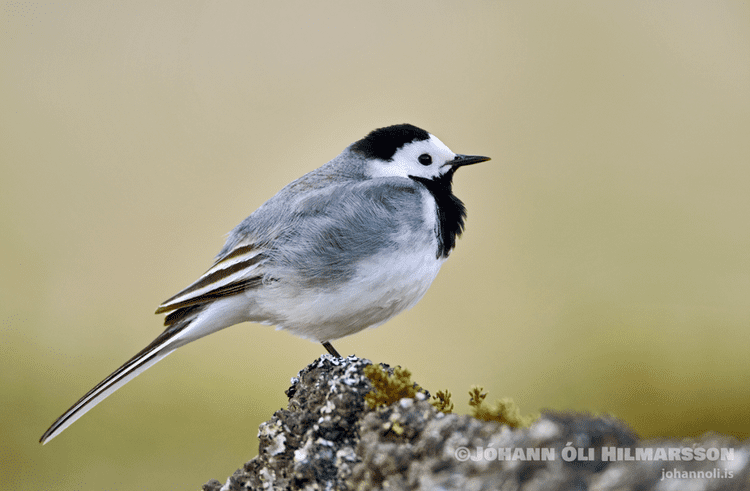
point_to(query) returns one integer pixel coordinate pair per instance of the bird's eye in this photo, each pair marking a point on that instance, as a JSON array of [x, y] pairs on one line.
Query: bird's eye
[[425, 159]]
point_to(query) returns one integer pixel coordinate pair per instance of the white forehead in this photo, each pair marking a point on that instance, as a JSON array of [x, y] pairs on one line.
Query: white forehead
[[405, 161]]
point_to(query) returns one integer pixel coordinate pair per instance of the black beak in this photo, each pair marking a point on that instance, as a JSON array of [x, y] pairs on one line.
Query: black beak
[[467, 160]]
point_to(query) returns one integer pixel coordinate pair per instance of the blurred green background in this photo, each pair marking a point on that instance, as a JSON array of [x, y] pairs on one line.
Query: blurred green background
[[606, 261]]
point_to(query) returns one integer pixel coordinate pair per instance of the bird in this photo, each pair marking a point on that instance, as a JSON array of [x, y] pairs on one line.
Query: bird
[[345, 247]]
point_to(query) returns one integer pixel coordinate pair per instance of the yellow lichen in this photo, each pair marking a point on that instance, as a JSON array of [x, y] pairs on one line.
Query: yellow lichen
[[442, 401], [397, 428], [503, 410], [388, 389]]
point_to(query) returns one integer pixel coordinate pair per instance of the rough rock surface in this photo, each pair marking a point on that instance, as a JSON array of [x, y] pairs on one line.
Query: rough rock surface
[[329, 439]]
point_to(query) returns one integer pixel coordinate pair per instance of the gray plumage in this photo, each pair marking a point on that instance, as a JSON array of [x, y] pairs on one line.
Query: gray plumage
[[344, 247]]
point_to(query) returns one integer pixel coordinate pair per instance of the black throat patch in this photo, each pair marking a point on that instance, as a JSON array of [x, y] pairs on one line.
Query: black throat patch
[[450, 211]]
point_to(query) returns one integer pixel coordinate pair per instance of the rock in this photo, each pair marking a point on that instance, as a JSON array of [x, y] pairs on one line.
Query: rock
[[328, 438]]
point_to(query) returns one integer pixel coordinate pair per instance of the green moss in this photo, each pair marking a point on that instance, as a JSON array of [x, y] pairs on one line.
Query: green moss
[[442, 401], [397, 428], [503, 410], [389, 388]]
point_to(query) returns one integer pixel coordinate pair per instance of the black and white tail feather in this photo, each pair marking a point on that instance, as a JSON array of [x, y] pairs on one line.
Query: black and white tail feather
[[188, 312]]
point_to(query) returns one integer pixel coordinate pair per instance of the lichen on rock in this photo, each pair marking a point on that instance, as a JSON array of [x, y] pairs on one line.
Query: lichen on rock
[[329, 438]]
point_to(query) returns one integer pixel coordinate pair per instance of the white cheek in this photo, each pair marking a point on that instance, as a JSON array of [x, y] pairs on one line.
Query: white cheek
[[426, 171], [405, 161], [379, 168]]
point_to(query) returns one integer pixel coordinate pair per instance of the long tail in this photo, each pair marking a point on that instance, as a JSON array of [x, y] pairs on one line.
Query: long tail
[[159, 348]]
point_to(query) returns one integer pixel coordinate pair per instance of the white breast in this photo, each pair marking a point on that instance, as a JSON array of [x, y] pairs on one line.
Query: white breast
[[383, 286]]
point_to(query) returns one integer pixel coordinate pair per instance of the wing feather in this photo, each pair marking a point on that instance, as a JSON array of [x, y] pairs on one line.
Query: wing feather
[[232, 273]]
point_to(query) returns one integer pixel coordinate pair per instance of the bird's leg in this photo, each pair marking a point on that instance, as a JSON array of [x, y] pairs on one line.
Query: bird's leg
[[331, 349]]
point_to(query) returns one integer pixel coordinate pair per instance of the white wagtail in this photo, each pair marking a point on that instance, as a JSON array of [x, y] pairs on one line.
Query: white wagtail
[[344, 247]]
